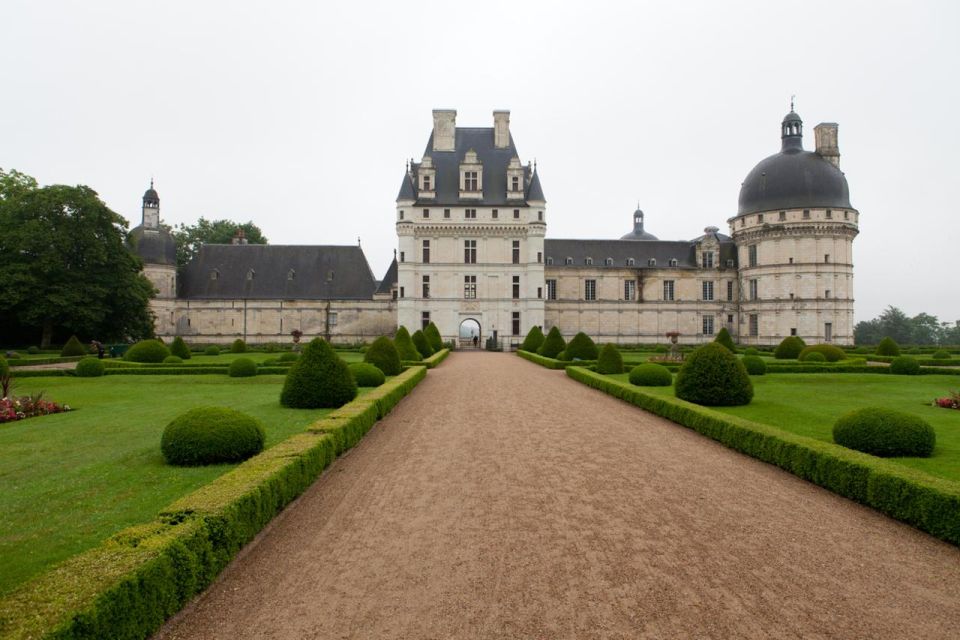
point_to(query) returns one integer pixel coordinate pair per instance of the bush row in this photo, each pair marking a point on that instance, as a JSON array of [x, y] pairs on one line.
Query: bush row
[[435, 359], [129, 585], [926, 362], [928, 503]]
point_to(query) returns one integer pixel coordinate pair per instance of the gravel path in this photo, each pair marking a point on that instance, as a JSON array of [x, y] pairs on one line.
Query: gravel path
[[503, 500]]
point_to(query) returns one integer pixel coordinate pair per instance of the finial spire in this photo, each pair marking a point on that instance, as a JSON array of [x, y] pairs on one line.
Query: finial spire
[[792, 98]]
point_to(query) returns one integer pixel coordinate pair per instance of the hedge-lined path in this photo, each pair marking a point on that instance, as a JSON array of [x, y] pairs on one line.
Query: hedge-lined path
[[503, 500]]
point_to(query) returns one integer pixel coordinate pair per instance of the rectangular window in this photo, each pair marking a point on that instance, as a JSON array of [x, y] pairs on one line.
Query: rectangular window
[[708, 325], [403, 255], [589, 289], [446, 213], [540, 216], [424, 319], [516, 323], [730, 320], [783, 216], [426, 252], [470, 214], [806, 214], [469, 286], [668, 289], [826, 294], [332, 318], [426, 286], [708, 259], [760, 218], [729, 290], [754, 325], [828, 332], [629, 289], [753, 289], [708, 290], [495, 214], [551, 289], [539, 257], [826, 257], [426, 213], [793, 331], [829, 214], [401, 214], [752, 255], [401, 292], [539, 293], [516, 214], [516, 252], [516, 287], [426, 183], [514, 183], [470, 251], [470, 181]]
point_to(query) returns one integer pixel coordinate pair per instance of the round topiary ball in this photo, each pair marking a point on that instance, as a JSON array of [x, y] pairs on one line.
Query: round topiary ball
[[888, 347], [940, 354], [755, 365], [750, 351], [830, 352], [172, 359], [242, 368], [885, 433], [89, 368], [905, 366], [713, 376], [211, 435], [34, 350], [383, 355], [651, 374], [212, 350], [789, 348], [238, 346], [366, 374], [609, 361], [289, 356], [813, 356], [147, 351], [318, 380]]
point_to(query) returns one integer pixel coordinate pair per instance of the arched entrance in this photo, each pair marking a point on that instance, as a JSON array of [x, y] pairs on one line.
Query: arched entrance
[[470, 334]]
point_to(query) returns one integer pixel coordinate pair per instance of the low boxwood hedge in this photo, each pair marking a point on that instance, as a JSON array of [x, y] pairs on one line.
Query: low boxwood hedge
[[905, 366], [831, 353], [812, 356], [172, 359], [212, 350], [147, 351]]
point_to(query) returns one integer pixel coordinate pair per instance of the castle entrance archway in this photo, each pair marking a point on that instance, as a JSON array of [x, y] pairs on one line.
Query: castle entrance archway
[[470, 334]]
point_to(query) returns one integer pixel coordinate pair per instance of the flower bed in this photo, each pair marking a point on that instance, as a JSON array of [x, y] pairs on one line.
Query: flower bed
[[13, 409], [950, 402]]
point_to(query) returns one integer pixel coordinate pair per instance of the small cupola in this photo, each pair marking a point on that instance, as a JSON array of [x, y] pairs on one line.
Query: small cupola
[[791, 131], [151, 209], [638, 233]]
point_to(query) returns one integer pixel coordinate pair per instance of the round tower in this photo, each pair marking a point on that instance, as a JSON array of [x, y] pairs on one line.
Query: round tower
[[794, 232], [158, 250]]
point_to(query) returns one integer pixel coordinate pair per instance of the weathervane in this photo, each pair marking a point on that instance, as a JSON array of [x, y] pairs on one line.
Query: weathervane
[[792, 98]]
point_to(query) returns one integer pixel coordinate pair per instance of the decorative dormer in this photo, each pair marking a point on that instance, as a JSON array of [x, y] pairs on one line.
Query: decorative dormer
[[515, 183], [427, 179], [471, 176]]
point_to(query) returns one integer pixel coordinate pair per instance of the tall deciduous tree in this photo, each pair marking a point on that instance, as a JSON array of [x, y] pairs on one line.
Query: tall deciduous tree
[[190, 237], [922, 329], [64, 265]]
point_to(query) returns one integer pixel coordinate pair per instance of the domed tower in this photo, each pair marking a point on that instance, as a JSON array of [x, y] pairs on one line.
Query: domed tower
[[158, 250], [638, 233], [794, 232]]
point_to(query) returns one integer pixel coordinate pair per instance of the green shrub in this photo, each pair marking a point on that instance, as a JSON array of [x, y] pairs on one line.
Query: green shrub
[[750, 351], [319, 379], [242, 368], [789, 348], [383, 355], [422, 344], [238, 346], [912, 350], [212, 350], [941, 354], [885, 433], [888, 347], [563, 356], [34, 350], [905, 366], [723, 338], [89, 368], [582, 347], [661, 348], [533, 340], [4, 367], [755, 365], [831, 353], [863, 349], [609, 361], [147, 351], [713, 376], [211, 435], [434, 337], [173, 359], [651, 374], [405, 347], [289, 356], [366, 374], [180, 349], [813, 356], [553, 344], [74, 348]]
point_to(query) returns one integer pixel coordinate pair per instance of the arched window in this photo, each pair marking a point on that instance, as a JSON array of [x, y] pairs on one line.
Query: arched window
[[652, 262], [291, 275], [631, 262], [214, 274], [673, 262], [251, 274], [569, 260], [549, 260], [588, 261], [609, 262]]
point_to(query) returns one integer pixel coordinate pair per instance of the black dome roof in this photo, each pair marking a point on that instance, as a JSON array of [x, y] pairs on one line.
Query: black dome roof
[[638, 233], [154, 247], [793, 179]]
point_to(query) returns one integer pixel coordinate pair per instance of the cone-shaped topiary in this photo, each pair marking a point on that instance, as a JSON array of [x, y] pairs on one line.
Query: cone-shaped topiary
[[238, 346], [383, 355], [609, 361], [211, 435], [885, 433], [830, 352], [421, 343], [713, 376], [789, 348], [180, 349], [651, 374], [89, 368], [366, 374], [755, 365], [905, 366], [319, 379], [147, 351], [582, 348], [723, 337], [74, 348], [242, 368], [887, 347], [533, 340], [553, 344], [433, 337], [405, 346]]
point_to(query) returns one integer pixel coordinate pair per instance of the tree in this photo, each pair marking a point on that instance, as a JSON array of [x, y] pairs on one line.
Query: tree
[[190, 238], [64, 266], [922, 329]]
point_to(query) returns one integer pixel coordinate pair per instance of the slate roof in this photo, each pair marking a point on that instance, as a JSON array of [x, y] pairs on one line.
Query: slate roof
[[389, 278], [620, 250], [320, 272], [154, 247], [535, 191]]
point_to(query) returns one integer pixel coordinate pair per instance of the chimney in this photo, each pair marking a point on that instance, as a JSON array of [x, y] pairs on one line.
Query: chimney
[[501, 129], [444, 129], [238, 237], [827, 146]]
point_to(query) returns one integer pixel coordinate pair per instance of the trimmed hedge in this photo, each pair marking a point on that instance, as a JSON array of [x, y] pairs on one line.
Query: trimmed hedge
[[942, 354], [609, 361], [422, 344], [533, 340], [905, 366], [928, 503], [552, 345], [723, 338], [130, 584], [238, 346], [435, 359], [789, 348], [750, 351], [925, 362], [172, 359], [180, 349], [289, 356], [713, 376], [212, 350], [885, 433], [147, 351], [651, 374], [89, 368], [831, 352], [405, 346], [211, 435], [433, 337], [888, 347], [242, 368], [813, 356], [74, 347], [582, 347], [319, 379], [754, 365], [366, 374], [383, 354]]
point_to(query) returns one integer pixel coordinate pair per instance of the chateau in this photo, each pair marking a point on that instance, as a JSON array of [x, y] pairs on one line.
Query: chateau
[[473, 257]]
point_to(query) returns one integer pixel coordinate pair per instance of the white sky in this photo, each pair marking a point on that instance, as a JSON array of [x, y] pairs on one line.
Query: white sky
[[300, 117]]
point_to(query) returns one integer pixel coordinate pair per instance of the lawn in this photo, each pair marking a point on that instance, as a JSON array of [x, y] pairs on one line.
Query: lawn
[[68, 481], [809, 404]]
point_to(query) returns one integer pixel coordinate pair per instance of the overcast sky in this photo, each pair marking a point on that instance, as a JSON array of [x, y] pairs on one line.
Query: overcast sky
[[300, 117]]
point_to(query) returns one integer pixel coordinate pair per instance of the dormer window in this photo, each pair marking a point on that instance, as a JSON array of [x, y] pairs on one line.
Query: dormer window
[[588, 261], [426, 183], [515, 179], [215, 275], [428, 179], [549, 260], [251, 274], [631, 262], [569, 260], [652, 262], [515, 183], [471, 181], [609, 262], [471, 175], [291, 275], [674, 262]]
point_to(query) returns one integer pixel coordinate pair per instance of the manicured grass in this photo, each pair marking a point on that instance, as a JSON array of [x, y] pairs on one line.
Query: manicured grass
[[809, 405], [71, 480]]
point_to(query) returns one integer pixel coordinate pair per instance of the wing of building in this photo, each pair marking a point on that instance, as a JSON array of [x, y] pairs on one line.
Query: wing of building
[[473, 257]]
